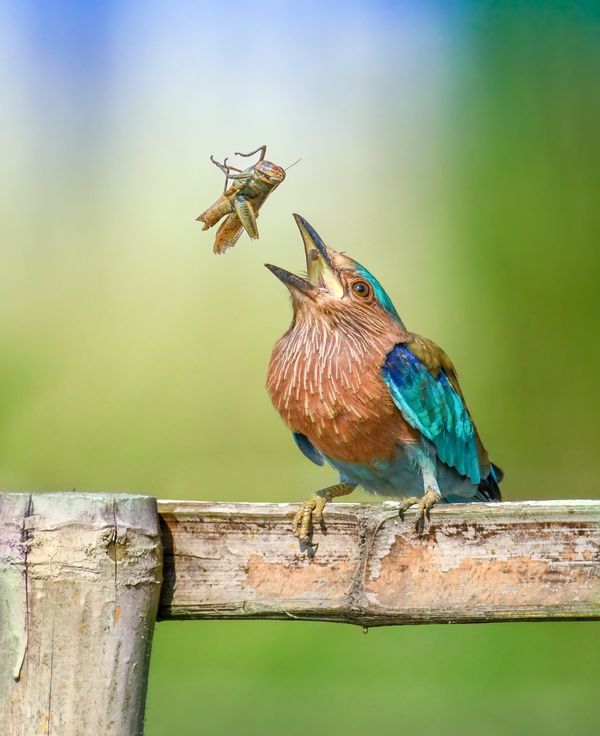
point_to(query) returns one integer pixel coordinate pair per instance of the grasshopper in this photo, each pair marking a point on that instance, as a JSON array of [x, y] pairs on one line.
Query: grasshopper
[[241, 202]]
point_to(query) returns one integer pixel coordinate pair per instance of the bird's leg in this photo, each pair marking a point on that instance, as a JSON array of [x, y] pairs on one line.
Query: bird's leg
[[431, 489], [426, 503], [311, 511]]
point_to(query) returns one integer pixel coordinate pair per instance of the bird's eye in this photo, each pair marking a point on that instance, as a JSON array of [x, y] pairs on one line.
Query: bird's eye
[[362, 289]]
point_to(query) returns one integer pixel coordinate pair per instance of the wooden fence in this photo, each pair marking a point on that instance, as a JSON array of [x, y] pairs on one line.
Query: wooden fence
[[83, 577]]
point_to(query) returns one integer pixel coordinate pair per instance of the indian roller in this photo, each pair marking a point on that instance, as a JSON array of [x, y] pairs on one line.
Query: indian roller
[[379, 403]]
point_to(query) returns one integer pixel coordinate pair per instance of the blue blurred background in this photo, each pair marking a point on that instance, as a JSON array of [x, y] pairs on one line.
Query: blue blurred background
[[453, 148]]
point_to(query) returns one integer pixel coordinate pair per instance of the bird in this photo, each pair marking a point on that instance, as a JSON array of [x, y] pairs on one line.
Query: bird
[[380, 404]]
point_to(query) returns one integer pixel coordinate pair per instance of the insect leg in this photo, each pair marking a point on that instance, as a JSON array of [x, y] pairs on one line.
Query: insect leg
[[244, 210], [262, 149], [231, 168], [218, 164], [226, 169], [228, 175]]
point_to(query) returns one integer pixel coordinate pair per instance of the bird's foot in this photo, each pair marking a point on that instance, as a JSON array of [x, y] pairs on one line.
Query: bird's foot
[[309, 514], [424, 506], [406, 504]]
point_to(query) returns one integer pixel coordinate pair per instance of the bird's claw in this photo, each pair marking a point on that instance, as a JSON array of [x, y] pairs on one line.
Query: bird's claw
[[308, 515], [405, 505], [425, 504]]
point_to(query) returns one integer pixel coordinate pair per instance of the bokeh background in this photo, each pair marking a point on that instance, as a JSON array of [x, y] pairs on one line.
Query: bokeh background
[[454, 149]]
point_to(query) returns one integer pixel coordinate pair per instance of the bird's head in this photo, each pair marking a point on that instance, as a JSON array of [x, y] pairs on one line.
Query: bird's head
[[336, 289]]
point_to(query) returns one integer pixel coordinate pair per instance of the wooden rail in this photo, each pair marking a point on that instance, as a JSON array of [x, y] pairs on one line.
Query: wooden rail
[[84, 576], [476, 562]]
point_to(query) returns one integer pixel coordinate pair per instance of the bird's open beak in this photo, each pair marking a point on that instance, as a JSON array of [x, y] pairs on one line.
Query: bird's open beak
[[319, 267], [293, 282]]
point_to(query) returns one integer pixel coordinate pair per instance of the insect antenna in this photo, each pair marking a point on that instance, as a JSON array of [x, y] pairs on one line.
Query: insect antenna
[[287, 168]]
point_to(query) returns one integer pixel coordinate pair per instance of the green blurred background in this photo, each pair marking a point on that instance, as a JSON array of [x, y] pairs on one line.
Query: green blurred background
[[454, 149]]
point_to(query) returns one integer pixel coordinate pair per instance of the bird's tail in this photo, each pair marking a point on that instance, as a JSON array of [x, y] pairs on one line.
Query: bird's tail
[[488, 489]]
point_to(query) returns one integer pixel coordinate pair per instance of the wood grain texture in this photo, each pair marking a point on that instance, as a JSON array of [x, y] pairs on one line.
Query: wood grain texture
[[476, 562], [80, 578]]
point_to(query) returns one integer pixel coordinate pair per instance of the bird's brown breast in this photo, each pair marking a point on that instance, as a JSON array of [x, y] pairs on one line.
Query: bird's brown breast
[[327, 385]]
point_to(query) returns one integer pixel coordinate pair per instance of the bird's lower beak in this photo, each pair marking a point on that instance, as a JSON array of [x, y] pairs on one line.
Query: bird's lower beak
[[321, 274], [293, 282]]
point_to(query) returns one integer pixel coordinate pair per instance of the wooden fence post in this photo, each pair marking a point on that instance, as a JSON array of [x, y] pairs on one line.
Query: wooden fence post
[[80, 577]]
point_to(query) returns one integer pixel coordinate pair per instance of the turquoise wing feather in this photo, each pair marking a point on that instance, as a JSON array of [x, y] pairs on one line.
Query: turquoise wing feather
[[430, 403]]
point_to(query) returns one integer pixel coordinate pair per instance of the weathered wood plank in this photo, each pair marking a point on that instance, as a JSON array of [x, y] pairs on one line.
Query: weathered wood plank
[[80, 577], [476, 562]]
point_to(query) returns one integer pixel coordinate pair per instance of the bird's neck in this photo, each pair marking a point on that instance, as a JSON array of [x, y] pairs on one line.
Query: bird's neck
[[319, 364]]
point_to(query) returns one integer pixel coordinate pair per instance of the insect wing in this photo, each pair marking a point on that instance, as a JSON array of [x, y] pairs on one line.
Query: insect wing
[[228, 233]]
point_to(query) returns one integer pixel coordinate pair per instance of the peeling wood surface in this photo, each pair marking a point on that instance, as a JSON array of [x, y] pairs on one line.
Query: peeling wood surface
[[81, 574], [80, 578], [476, 562]]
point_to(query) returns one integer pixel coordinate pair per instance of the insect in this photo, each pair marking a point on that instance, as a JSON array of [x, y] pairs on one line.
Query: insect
[[241, 202]]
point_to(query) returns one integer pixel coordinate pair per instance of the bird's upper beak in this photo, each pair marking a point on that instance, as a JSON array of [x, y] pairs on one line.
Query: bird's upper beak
[[321, 273]]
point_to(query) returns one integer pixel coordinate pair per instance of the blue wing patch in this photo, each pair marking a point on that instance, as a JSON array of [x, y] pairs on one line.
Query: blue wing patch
[[431, 405], [307, 448]]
